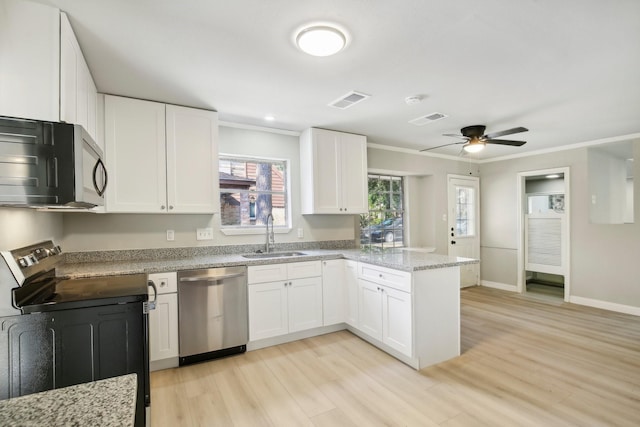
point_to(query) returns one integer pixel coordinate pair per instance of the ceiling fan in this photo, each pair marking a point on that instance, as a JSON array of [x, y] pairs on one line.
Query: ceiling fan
[[475, 138]]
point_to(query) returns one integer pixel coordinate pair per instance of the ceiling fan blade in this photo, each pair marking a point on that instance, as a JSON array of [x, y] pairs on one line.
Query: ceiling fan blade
[[445, 145], [505, 142], [455, 135], [505, 132]]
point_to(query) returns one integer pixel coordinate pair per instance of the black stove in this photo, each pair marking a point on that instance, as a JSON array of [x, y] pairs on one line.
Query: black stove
[[29, 276], [57, 331]]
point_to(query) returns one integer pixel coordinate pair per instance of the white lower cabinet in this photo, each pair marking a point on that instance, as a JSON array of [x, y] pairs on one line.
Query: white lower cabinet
[[334, 291], [370, 302], [385, 314], [351, 282], [163, 322], [268, 310], [396, 320], [304, 297], [290, 301]]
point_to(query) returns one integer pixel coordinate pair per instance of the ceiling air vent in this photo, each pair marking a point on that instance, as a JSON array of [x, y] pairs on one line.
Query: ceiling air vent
[[348, 100], [423, 120]]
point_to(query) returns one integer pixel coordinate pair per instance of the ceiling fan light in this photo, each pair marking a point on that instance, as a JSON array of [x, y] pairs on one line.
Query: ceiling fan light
[[473, 147], [321, 40]]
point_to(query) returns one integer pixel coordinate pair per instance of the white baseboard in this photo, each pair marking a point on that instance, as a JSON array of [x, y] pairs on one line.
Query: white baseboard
[[611, 306], [498, 285], [158, 365], [295, 336]]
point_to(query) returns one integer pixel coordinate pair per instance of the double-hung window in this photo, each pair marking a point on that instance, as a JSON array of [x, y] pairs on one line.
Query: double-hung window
[[250, 190], [383, 225]]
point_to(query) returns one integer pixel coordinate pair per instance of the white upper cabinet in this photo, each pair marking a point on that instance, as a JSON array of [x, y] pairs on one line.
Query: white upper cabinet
[[29, 60], [136, 155], [78, 93], [192, 160], [333, 169], [160, 158], [44, 74]]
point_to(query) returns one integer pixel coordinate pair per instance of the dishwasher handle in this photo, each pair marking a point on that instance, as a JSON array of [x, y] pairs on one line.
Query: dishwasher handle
[[151, 305], [211, 278]]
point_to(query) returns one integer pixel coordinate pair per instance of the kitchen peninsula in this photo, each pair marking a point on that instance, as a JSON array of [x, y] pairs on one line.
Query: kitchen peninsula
[[406, 303]]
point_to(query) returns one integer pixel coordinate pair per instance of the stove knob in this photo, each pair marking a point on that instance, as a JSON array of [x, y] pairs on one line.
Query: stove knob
[[23, 262]]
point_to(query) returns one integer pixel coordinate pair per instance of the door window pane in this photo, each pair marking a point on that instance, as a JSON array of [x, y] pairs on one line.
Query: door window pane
[[465, 211]]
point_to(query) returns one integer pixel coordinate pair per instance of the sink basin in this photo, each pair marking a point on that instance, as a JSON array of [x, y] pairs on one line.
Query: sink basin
[[273, 255]]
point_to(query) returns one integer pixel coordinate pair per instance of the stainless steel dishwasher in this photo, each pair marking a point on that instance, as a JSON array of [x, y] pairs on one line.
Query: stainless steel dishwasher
[[212, 313]]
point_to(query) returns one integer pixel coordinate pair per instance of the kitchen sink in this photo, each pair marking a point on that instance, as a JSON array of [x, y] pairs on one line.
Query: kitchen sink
[[273, 255]]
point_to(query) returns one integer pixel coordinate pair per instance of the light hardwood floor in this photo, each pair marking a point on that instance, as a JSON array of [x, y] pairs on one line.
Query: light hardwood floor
[[525, 362]]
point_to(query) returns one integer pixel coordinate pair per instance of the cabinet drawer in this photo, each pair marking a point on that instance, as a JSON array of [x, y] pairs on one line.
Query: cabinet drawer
[[299, 270], [166, 283], [266, 273], [396, 279]]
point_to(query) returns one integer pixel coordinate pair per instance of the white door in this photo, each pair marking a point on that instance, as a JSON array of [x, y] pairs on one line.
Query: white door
[[464, 225], [305, 303]]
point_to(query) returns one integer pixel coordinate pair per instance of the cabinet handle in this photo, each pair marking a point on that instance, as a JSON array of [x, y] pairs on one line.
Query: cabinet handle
[[162, 207], [381, 276], [170, 207]]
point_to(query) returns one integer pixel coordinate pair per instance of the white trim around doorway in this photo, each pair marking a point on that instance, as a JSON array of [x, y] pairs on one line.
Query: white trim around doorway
[[520, 285]]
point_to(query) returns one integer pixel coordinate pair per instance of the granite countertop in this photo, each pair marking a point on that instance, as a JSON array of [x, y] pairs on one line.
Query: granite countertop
[[399, 259], [110, 402]]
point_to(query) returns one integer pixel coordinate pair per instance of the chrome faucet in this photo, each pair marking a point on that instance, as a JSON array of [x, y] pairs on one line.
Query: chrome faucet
[[271, 238]]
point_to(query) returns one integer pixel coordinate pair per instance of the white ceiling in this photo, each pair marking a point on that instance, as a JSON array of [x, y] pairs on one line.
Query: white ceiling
[[567, 70]]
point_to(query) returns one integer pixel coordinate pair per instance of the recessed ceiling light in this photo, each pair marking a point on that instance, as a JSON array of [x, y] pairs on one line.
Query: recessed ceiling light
[[269, 118], [321, 40]]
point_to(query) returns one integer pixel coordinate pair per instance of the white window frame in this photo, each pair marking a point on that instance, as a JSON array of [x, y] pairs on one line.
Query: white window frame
[[370, 244], [234, 230]]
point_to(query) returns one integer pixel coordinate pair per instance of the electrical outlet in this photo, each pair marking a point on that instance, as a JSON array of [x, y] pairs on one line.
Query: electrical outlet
[[300, 233], [204, 234], [170, 235]]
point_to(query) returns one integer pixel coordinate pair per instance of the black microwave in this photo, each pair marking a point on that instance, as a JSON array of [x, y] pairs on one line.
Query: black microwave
[[49, 164]]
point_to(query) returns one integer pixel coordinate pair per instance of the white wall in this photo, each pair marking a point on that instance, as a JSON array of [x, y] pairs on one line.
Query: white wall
[[87, 232], [603, 257], [607, 187], [21, 227], [427, 178]]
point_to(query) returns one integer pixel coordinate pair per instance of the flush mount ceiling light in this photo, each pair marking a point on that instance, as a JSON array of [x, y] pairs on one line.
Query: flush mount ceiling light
[[321, 40], [474, 145]]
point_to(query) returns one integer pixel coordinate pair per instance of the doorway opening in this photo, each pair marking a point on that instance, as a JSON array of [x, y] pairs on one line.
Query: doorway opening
[[543, 231]]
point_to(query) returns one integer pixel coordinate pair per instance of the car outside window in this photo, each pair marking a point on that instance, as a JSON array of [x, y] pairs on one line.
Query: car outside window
[[382, 227]]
